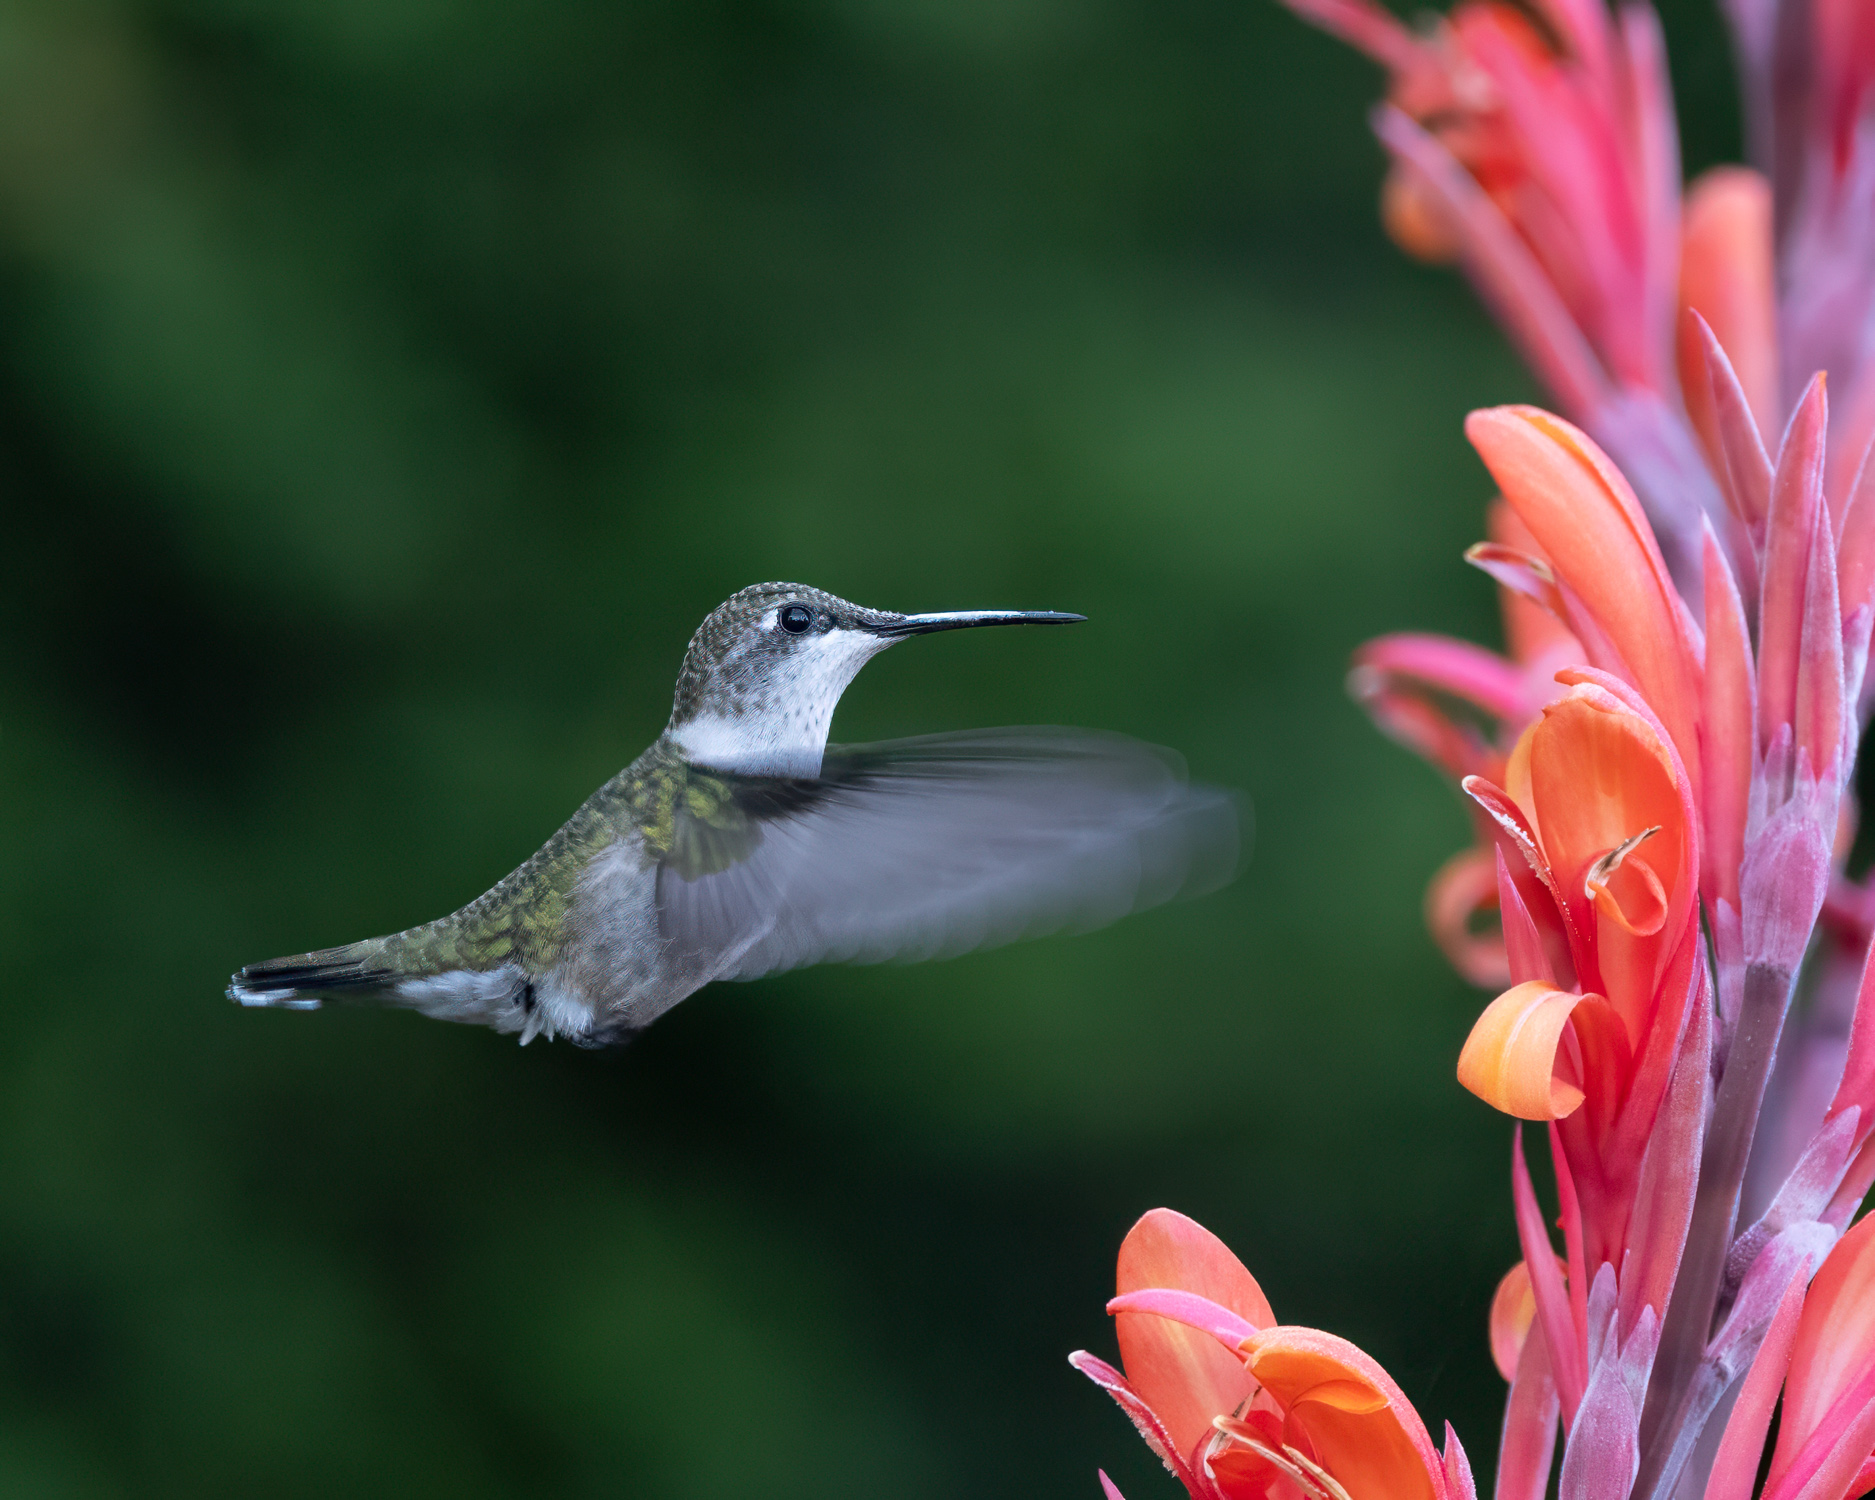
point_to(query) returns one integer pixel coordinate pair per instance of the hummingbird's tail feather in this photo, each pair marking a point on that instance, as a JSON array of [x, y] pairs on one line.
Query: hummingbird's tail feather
[[305, 981], [424, 969]]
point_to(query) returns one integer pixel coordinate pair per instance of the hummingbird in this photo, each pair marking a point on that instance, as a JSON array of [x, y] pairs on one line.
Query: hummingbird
[[741, 843]]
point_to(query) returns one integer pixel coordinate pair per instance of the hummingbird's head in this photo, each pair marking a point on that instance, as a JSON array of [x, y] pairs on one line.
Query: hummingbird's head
[[764, 672]]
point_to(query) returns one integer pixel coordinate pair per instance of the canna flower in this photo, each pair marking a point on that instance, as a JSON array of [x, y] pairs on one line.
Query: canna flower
[[1598, 821], [1661, 767], [1664, 805], [1601, 924], [1665, 831], [1239, 1407], [1538, 147]]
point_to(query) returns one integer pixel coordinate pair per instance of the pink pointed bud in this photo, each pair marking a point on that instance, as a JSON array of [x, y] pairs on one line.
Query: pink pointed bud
[[1729, 694], [1790, 1259], [1796, 498], [1459, 1484], [1785, 874], [1856, 1183], [1819, 715], [1805, 1194], [1108, 1488], [1738, 458], [1603, 1455], [1855, 574]]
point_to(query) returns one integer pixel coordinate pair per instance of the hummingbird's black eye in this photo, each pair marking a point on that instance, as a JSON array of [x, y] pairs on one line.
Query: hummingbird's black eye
[[796, 618]]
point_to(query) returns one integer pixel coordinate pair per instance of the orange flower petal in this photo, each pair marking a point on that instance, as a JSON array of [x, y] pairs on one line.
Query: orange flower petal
[[1185, 1376], [1726, 276], [1345, 1395], [1416, 219], [1513, 1310], [1599, 776], [1516, 1060], [1586, 519], [1347, 1412]]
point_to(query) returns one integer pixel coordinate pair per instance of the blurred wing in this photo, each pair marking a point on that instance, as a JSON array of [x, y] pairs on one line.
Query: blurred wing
[[925, 848]]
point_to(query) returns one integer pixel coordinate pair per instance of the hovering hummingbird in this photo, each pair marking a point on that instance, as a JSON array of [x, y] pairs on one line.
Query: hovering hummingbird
[[742, 843]]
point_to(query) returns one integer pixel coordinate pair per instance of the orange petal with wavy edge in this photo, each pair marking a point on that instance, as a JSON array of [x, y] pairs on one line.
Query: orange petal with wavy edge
[[1513, 1310], [1185, 1376], [1599, 776], [1834, 1350], [1515, 1059], [1726, 276], [1586, 519], [1347, 1411]]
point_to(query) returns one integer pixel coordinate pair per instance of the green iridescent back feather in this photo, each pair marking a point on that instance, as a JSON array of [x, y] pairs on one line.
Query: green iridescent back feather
[[671, 809]]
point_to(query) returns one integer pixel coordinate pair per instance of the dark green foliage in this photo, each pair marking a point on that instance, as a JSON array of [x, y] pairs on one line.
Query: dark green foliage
[[387, 388]]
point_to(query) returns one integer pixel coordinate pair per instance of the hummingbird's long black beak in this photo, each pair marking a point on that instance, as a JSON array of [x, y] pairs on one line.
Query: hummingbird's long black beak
[[964, 619]]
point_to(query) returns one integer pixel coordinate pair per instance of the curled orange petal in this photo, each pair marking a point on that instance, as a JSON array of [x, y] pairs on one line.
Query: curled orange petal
[[1515, 1058]]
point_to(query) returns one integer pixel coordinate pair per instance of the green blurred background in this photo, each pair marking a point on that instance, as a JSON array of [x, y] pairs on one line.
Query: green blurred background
[[387, 388]]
